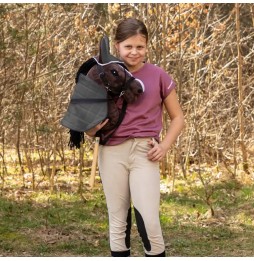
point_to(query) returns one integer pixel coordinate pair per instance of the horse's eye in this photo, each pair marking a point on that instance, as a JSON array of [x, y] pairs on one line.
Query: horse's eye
[[114, 72]]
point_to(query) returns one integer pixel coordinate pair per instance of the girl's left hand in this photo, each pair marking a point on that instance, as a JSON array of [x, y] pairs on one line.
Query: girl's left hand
[[157, 152]]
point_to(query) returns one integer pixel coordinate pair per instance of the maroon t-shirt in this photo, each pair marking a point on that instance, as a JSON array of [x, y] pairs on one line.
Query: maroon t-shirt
[[144, 117]]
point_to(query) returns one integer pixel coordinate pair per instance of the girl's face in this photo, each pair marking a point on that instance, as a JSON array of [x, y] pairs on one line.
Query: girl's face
[[132, 51]]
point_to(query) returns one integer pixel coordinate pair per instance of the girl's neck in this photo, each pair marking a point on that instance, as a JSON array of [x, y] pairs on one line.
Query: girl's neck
[[135, 68]]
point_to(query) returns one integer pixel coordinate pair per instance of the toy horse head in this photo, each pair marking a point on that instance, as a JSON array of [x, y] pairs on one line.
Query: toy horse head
[[114, 76], [100, 82], [117, 80]]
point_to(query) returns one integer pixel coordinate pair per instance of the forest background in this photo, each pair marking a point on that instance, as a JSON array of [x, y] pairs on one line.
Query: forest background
[[207, 48]]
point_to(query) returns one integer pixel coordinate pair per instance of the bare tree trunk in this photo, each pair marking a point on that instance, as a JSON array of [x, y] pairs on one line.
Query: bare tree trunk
[[111, 34], [164, 163], [81, 168], [61, 151], [4, 168], [29, 164], [241, 118], [34, 95], [53, 172], [21, 100], [252, 13], [2, 88]]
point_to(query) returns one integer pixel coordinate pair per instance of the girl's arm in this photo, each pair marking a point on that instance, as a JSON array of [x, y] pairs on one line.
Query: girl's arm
[[177, 123]]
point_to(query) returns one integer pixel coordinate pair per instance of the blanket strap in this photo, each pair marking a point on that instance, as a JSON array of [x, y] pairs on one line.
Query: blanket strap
[[104, 138], [88, 100]]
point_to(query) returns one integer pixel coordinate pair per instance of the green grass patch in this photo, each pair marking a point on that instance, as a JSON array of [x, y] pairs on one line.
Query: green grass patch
[[40, 223]]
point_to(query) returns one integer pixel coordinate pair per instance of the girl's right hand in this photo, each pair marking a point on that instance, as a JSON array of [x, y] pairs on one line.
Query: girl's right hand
[[91, 132]]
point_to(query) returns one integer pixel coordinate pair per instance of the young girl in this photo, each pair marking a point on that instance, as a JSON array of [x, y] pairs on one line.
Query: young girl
[[129, 162]]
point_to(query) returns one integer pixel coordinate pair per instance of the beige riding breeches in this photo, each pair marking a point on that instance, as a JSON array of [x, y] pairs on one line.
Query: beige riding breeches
[[129, 178]]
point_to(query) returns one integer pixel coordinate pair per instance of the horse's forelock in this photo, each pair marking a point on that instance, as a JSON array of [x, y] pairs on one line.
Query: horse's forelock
[[110, 62]]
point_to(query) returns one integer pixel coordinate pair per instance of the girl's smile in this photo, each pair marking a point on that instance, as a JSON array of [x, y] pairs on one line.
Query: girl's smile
[[132, 51]]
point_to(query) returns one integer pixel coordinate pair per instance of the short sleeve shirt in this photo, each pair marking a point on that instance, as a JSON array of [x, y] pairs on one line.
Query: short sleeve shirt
[[144, 117]]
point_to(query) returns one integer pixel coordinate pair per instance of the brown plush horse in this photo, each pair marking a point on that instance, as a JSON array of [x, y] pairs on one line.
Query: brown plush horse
[[120, 85], [103, 89]]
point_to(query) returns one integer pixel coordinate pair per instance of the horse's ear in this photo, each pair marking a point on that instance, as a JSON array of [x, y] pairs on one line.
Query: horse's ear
[[104, 50], [104, 55]]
